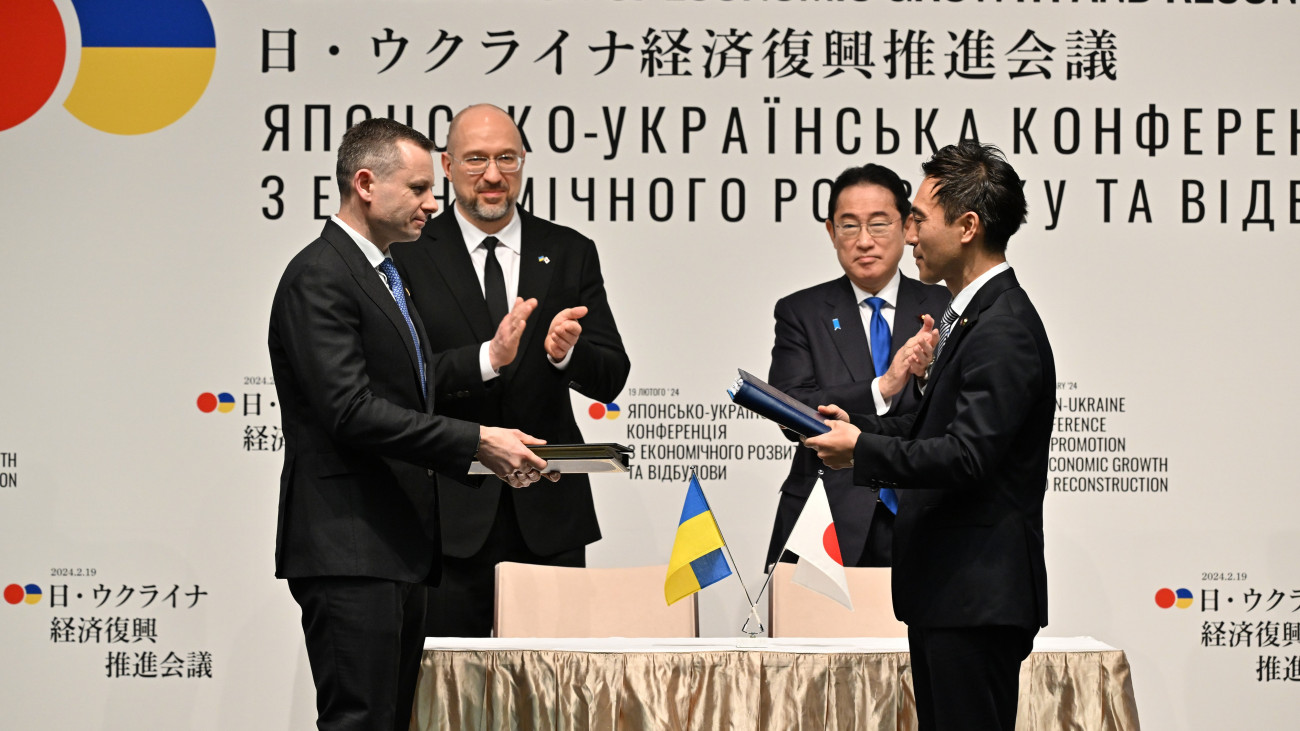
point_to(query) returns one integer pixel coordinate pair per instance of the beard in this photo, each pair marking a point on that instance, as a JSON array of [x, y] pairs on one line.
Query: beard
[[485, 212]]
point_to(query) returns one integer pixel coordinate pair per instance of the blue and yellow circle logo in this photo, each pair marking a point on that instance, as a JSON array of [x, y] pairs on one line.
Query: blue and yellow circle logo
[[1166, 598], [603, 411], [144, 63], [209, 402]]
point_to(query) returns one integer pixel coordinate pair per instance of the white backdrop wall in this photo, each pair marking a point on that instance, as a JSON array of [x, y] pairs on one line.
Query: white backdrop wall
[[137, 529]]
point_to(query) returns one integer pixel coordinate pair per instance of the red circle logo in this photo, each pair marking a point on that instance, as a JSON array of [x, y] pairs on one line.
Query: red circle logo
[[33, 49], [1165, 598], [14, 593]]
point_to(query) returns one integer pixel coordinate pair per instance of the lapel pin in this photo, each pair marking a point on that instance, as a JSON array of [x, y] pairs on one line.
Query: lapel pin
[[544, 259], [964, 321], [836, 323]]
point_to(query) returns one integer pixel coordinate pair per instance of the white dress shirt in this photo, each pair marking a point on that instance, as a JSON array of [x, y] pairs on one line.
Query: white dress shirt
[[964, 297], [371, 252], [508, 254]]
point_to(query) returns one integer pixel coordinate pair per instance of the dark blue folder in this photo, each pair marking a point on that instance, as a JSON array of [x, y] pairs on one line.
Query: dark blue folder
[[756, 395]]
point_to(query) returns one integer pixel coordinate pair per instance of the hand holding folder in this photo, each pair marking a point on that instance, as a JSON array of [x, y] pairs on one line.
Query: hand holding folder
[[761, 398], [574, 458]]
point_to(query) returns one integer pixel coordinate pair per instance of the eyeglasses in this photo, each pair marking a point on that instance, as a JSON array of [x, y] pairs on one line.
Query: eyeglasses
[[876, 230], [478, 164]]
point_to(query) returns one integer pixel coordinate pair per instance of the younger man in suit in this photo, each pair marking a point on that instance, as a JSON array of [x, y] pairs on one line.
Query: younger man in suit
[[478, 273], [970, 465], [842, 342], [358, 527]]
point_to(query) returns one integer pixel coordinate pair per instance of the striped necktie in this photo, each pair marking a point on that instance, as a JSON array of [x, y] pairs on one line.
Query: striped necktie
[[945, 328]]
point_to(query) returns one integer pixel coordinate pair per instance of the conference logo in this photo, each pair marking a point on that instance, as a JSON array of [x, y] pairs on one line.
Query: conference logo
[[17, 594], [1181, 598], [144, 63], [604, 411], [222, 402]]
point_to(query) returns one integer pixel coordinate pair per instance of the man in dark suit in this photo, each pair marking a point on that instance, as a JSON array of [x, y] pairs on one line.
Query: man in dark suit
[[481, 254], [823, 352], [970, 465], [357, 534]]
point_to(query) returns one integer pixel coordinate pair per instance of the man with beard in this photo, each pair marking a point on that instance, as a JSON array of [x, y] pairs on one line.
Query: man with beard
[[517, 316]]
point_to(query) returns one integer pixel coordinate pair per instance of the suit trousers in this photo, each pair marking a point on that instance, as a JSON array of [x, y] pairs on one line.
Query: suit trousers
[[464, 603], [364, 642], [967, 678]]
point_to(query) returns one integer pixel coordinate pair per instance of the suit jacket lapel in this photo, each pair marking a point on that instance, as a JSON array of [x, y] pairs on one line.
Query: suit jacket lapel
[[983, 299], [850, 338], [428, 358], [535, 268], [444, 247], [368, 279]]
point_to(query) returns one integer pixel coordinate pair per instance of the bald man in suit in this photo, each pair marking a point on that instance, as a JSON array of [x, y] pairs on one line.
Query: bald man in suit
[[483, 262]]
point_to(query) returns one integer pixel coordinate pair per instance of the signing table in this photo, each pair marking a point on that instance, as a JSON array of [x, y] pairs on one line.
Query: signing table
[[720, 683]]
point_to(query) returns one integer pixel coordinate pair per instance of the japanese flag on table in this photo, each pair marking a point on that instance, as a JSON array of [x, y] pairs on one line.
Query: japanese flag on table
[[820, 567]]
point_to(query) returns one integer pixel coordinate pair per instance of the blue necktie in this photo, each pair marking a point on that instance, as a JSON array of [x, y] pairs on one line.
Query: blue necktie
[[399, 294], [879, 336], [880, 356]]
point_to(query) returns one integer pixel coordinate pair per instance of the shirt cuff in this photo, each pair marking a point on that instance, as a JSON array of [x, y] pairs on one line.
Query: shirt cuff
[[562, 364], [485, 368], [882, 403]]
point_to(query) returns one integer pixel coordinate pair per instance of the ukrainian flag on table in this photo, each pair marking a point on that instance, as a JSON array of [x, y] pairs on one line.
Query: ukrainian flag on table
[[697, 559]]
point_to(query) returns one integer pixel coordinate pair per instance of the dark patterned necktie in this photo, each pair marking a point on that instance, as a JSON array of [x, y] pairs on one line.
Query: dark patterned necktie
[[399, 294], [494, 283], [945, 328]]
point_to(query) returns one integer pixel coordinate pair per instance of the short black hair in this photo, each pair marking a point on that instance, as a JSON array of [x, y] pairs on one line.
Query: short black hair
[[372, 145], [872, 174], [974, 177]]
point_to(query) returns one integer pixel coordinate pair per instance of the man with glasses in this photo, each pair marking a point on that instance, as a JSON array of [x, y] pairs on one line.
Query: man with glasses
[[970, 578], [516, 314], [845, 342]]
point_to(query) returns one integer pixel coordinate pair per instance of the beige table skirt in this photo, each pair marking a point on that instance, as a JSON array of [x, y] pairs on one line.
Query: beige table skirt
[[642, 685]]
